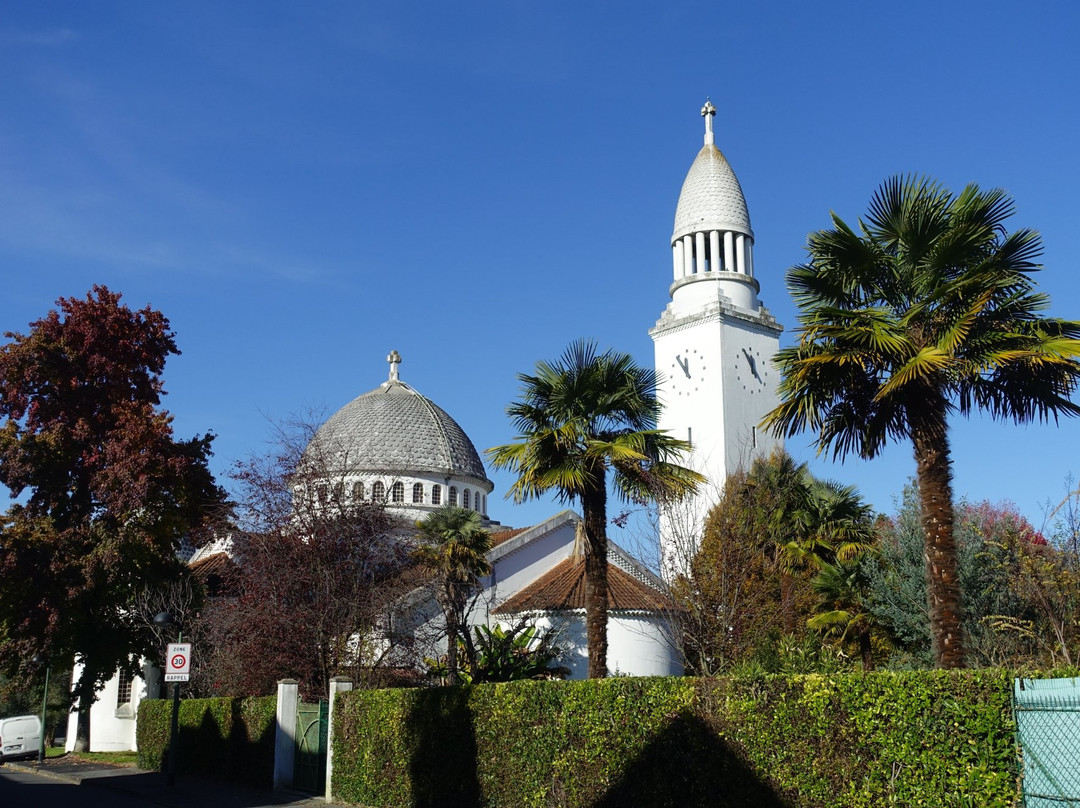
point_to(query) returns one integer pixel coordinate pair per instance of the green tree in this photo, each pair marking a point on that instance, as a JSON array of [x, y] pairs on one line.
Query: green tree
[[928, 310], [772, 530], [453, 545], [107, 492], [579, 418], [1003, 624]]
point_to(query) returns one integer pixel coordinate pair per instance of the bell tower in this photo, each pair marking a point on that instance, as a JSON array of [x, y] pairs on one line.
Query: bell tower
[[714, 344]]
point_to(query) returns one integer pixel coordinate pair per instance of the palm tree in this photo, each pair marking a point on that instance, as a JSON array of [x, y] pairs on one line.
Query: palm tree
[[453, 545], [579, 418], [928, 310], [809, 522], [842, 587]]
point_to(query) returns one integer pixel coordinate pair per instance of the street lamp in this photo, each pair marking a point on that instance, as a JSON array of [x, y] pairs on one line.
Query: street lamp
[[42, 662], [165, 619]]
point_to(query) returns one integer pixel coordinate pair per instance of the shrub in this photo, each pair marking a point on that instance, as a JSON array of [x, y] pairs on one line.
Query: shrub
[[229, 739], [931, 738]]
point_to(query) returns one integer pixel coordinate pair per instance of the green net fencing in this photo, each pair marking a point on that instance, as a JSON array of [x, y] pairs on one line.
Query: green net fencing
[[1048, 731]]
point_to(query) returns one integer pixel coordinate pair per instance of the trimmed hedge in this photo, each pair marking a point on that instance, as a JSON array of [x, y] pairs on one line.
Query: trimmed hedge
[[920, 738], [229, 739]]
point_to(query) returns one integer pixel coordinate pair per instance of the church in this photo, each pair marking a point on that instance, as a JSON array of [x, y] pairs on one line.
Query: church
[[714, 343]]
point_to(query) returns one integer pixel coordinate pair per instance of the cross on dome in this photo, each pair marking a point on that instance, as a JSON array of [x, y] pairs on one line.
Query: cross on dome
[[394, 359], [708, 112]]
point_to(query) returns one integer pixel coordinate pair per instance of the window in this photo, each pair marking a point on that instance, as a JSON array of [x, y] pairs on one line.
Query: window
[[484, 508], [453, 495], [397, 492], [322, 491], [465, 498], [339, 492], [358, 492], [418, 493], [378, 492], [123, 689], [436, 495]]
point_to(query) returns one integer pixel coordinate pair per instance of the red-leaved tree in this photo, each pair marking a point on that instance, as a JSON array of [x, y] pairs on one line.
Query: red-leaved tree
[[104, 492]]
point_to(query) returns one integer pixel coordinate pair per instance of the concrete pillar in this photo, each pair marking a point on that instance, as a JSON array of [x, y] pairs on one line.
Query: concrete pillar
[[729, 251], [750, 257], [699, 250], [339, 684], [740, 254], [285, 736], [715, 263], [688, 255], [676, 259]]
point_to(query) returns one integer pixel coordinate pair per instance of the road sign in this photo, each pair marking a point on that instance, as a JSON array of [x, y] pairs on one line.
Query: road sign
[[178, 662]]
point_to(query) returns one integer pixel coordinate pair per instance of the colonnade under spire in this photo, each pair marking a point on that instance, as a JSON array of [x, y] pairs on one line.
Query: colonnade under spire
[[701, 252]]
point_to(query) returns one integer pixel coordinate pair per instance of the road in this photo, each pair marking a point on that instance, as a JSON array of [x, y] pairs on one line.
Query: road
[[21, 786], [22, 789]]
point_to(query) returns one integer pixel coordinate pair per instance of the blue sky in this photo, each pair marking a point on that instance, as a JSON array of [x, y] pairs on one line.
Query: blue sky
[[302, 187]]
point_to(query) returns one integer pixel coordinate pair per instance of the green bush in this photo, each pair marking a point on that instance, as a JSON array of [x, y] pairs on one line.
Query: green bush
[[229, 739], [929, 738]]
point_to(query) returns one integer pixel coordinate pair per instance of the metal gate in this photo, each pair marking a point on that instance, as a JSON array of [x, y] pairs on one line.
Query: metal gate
[[309, 766], [1048, 731]]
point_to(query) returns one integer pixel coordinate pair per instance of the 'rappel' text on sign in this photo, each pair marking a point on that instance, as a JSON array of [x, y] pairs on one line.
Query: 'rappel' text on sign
[[178, 662]]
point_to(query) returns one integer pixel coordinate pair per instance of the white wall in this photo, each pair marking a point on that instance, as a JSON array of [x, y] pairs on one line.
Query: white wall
[[112, 726]]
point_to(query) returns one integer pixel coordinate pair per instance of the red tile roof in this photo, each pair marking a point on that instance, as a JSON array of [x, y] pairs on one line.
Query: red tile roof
[[563, 588], [505, 535]]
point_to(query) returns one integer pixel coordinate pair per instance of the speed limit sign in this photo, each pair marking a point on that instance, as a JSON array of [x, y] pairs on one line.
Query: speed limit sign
[[178, 662]]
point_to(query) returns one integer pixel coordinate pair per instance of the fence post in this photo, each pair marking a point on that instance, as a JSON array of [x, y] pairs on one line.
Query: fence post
[[285, 736], [339, 684]]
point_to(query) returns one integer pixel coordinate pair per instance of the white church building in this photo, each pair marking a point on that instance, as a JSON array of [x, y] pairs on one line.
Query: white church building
[[713, 344]]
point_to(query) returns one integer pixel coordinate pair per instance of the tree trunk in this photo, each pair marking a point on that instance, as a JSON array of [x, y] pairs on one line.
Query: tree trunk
[[594, 505], [86, 694], [934, 474], [864, 647], [450, 610]]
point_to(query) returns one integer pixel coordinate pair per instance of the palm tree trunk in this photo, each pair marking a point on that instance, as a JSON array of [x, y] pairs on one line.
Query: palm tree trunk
[[594, 505], [865, 648], [934, 474]]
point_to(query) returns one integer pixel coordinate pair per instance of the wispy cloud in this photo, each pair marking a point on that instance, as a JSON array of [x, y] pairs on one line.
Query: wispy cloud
[[50, 38]]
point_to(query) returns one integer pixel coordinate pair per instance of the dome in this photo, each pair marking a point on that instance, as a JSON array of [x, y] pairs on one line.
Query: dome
[[711, 197], [395, 429]]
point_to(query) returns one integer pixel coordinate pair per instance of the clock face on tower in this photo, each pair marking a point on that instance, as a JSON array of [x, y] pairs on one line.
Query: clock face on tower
[[751, 370], [687, 371]]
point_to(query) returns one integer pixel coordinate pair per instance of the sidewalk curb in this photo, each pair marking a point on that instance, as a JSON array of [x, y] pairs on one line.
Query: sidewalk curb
[[27, 768]]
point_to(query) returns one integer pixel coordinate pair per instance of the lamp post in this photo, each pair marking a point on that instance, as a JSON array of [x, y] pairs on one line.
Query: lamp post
[[42, 661], [165, 619]]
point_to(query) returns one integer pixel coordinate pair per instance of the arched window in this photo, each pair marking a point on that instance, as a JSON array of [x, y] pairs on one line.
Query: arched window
[[483, 508], [436, 495], [357, 492], [397, 492], [322, 491], [378, 492], [453, 495], [339, 492], [418, 493], [465, 498]]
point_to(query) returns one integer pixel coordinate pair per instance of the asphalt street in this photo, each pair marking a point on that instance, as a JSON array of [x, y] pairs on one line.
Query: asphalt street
[[60, 785]]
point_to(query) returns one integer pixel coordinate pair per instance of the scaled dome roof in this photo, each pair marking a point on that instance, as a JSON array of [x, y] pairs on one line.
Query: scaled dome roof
[[711, 197], [394, 429]]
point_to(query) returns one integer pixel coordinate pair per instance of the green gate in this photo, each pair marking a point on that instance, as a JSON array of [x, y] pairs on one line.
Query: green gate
[[1048, 731], [309, 767]]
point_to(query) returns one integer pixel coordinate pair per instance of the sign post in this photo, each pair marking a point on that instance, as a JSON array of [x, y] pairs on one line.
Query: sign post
[[178, 662], [177, 670]]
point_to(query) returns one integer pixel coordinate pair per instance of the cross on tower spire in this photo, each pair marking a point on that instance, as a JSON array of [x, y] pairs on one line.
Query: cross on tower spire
[[708, 112], [394, 359]]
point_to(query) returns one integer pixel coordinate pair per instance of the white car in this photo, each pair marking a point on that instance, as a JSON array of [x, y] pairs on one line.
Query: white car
[[20, 736]]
